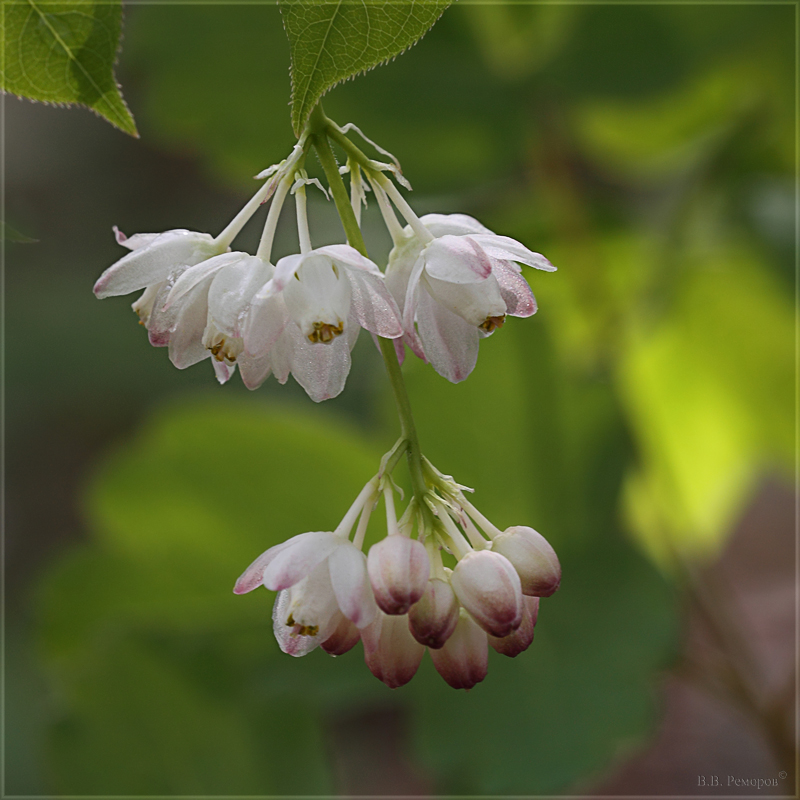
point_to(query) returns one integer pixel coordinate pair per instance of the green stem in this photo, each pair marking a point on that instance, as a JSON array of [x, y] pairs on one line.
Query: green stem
[[319, 127]]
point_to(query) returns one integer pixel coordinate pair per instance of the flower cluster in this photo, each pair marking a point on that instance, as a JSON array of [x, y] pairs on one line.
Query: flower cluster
[[401, 598], [449, 282], [443, 578]]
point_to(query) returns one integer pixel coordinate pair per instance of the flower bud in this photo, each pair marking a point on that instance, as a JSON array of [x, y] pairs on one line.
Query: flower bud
[[533, 558], [344, 638], [398, 570], [464, 659], [487, 585], [390, 651], [520, 640], [433, 618]]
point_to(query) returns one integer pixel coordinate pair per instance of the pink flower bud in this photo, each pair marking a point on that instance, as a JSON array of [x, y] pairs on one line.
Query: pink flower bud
[[533, 558], [433, 618], [390, 651], [344, 638], [398, 570], [520, 640], [487, 585], [464, 659]]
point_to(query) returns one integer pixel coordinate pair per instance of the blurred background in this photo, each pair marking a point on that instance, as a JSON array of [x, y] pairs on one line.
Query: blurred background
[[642, 420]]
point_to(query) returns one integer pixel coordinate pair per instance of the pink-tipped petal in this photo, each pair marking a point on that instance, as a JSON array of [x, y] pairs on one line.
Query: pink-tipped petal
[[433, 618], [294, 563], [487, 585], [505, 248], [398, 570], [532, 557], [449, 343], [253, 576], [514, 289], [348, 566], [521, 639], [390, 651], [154, 261], [456, 259], [375, 308], [463, 661], [344, 638]]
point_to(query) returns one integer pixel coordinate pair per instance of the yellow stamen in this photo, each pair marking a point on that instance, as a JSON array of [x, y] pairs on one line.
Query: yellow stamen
[[492, 323], [325, 333]]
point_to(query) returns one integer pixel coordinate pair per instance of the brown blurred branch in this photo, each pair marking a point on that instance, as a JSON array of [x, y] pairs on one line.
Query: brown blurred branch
[[738, 676]]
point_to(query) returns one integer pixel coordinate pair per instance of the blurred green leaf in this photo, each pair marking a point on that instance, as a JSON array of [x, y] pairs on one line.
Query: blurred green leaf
[[9, 234], [709, 394], [334, 41], [65, 53]]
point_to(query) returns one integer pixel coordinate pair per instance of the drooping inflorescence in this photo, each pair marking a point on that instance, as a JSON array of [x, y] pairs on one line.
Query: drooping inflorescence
[[444, 577]]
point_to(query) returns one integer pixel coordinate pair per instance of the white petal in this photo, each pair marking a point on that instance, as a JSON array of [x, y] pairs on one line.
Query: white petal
[[347, 257], [232, 290], [136, 241], [319, 295], [199, 273], [294, 563], [320, 369], [154, 261], [348, 566], [254, 369], [410, 308], [456, 224], [222, 370], [507, 249], [473, 302], [457, 259], [449, 342], [186, 340], [264, 324], [285, 270], [374, 306]]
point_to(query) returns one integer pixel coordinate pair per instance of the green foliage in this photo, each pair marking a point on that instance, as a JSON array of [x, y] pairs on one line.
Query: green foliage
[[334, 41], [142, 625], [64, 53]]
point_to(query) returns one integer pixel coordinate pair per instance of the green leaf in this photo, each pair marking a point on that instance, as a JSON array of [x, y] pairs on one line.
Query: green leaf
[[334, 41], [65, 53], [9, 234]]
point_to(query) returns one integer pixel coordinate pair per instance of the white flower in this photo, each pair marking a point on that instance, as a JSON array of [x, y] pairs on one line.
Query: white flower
[[310, 314], [456, 286], [154, 257], [204, 311], [320, 577]]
